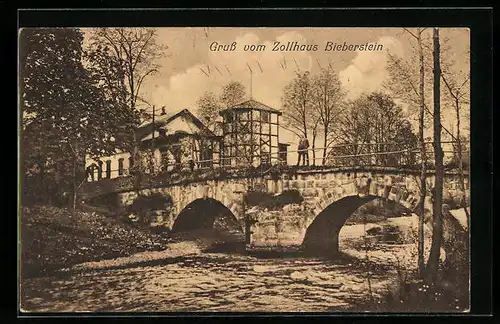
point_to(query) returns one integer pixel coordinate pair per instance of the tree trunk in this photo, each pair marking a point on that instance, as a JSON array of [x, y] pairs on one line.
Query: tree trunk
[[137, 163], [462, 182], [75, 154], [437, 229], [42, 184], [460, 165], [314, 148], [325, 143], [423, 189]]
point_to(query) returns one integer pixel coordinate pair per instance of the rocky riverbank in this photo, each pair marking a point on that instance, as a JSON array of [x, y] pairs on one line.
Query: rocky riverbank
[[54, 238]]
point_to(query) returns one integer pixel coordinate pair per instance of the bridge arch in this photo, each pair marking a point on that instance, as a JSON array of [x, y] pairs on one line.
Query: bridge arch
[[208, 215], [338, 203], [322, 235]]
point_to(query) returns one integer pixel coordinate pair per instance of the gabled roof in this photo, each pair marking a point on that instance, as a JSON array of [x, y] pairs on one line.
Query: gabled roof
[[251, 104], [162, 120]]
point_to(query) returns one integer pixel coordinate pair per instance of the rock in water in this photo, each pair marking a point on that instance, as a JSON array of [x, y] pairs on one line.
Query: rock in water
[[374, 230], [258, 268], [298, 276]]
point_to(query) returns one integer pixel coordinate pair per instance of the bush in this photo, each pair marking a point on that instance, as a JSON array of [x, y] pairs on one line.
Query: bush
[[108, 200], [155, 201], [144, 205], [54, 238]]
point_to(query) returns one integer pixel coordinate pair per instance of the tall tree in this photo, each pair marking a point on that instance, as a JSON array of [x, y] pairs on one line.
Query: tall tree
[[353, 132], [327, 103], [208, 109], [409, 85], [297, 103], [137, 51], [66, 113], [437, 229], [457, 82], [232, 93], [388, 122], [373, 118]]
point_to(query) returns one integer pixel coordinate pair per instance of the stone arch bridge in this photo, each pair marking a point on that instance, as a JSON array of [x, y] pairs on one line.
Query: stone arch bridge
[[328, 197]]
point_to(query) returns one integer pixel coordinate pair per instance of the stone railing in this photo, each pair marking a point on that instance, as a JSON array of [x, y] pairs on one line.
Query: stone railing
[[166, 179]]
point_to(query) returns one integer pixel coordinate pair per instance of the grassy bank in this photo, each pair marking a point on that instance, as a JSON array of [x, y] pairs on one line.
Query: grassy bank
[[54, 238]]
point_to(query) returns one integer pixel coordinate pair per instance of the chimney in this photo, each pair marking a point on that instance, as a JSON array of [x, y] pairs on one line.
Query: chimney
[[163, 112]]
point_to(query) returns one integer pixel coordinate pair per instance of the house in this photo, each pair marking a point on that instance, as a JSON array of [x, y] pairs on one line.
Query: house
[[249, 136], [170, 141]]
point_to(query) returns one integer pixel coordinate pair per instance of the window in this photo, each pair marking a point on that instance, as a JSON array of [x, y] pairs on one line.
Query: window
[[99, 174], [120, 166], [265, 116], [243, 116], [108, 169]]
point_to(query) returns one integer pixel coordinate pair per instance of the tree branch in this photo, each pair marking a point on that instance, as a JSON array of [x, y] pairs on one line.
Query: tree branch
[[139, 83]]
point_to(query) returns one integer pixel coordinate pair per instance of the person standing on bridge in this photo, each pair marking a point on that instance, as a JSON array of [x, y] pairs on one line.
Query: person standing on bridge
[[303, 151]]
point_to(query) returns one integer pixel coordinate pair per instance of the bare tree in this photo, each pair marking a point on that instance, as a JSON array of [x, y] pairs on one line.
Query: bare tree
[[437, 229], [137, 51], [403, 83], [353, 132], [375, 121], [298, 106], [327, 102], [457, 96]]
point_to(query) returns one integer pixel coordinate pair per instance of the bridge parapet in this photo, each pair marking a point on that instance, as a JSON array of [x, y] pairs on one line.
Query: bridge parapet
[[128, 183]]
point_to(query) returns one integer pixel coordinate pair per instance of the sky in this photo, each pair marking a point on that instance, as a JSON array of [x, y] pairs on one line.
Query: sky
[[181, 81]]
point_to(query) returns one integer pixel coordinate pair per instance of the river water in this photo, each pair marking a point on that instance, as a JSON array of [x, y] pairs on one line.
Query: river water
[[223, 282]]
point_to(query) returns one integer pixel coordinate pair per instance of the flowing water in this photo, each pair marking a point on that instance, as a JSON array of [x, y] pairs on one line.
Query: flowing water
[[220, 282]]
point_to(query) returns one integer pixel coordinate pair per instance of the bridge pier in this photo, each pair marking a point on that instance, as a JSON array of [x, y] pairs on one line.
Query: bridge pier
[[327, 245]]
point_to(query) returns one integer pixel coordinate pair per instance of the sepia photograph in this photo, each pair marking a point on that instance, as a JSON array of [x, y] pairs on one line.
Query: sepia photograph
[[244, 169]]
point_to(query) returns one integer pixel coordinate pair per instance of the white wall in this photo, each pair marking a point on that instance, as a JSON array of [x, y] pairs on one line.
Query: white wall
[[114, 165]]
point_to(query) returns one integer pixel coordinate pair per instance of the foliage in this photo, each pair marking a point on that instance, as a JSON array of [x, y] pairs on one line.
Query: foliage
[[374, 118], [155, 201], [55, 238], [208, 109], [108, 72], [232, 94], [210, 104], [66, 112]]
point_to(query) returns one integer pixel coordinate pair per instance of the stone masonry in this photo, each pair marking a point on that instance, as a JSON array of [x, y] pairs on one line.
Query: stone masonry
[[320, 189]]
